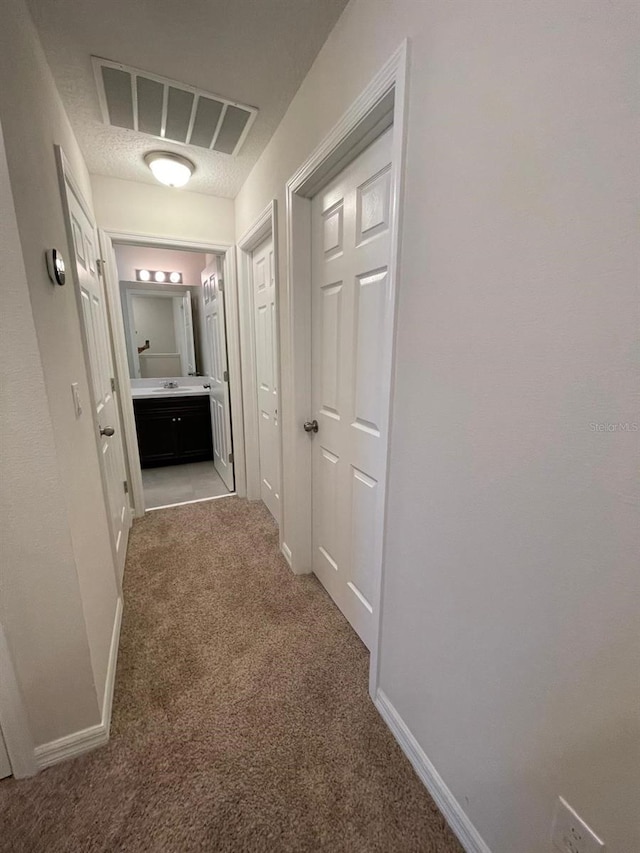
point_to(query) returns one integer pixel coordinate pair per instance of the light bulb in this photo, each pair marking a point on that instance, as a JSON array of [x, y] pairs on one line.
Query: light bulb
[[170, 169], [175, 277], [144, 275], [160, 276]]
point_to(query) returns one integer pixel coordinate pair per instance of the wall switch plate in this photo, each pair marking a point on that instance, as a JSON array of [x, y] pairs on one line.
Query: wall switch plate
[[571, 834], [75, 390]]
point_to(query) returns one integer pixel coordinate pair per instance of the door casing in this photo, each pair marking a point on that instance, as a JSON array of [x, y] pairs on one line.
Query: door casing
[[381, 105], [265, 226]]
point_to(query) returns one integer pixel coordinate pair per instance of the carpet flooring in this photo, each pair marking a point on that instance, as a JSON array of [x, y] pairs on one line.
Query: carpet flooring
[[241, 720]]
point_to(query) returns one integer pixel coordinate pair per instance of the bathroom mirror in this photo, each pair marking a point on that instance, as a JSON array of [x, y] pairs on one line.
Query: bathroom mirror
[[159, 330]]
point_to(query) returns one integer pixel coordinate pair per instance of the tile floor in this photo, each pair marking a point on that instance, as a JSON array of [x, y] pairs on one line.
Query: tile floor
[[174, 484]]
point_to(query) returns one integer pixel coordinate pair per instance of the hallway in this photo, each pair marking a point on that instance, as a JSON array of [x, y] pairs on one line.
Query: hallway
[[241, 720]]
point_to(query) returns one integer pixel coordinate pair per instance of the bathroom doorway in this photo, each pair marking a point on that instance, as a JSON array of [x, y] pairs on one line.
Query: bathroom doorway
[[172, 312]]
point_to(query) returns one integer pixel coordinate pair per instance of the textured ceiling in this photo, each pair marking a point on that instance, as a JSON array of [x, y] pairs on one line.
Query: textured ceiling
[[253, 51]]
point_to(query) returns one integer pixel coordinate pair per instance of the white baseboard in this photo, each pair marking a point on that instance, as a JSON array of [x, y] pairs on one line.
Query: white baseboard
[[107, 700], [453, 812], [286, 552], [73, 745], [70, 746]]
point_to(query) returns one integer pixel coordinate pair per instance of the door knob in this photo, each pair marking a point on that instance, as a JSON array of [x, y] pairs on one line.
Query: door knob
[[108, 431], [311, 426]]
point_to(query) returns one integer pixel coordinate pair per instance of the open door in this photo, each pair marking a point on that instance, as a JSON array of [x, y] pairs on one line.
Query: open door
[[95, 323], [218, 371]]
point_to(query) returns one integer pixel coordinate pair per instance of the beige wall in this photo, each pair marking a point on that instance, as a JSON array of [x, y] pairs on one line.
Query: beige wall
[[509, 636], [157, 211], [33, 121]]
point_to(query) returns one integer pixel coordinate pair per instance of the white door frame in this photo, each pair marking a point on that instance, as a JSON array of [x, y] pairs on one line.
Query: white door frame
[[68, 183], [381, 105], [227, 252], [265, 226]]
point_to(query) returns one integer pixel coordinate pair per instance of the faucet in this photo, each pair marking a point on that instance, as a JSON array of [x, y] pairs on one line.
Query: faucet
[[169, 383]]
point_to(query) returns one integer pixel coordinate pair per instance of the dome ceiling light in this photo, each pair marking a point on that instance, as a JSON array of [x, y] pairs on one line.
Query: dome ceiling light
[[168, 168]]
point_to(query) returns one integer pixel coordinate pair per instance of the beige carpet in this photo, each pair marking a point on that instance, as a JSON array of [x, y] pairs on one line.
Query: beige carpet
[[241, 718]]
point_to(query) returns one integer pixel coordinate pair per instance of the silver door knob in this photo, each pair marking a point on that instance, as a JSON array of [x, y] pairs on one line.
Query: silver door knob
[[311, 426], [108, 431]]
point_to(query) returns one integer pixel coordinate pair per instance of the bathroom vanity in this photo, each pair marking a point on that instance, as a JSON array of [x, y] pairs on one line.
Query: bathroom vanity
[[173, 425]]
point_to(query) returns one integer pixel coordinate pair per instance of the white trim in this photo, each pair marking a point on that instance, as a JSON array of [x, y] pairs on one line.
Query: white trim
[[194, 501], [265, 226], [13, 718], [455, 815], [383, 103], [107, 700], [73, 745], [121, 368], [286, 553], [227, 251]]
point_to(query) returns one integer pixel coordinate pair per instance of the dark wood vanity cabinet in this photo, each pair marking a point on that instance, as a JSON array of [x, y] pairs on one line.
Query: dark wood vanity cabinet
[[172, 430]]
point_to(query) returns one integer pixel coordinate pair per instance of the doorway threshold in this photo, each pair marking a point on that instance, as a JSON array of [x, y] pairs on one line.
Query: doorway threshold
[[195, 501]]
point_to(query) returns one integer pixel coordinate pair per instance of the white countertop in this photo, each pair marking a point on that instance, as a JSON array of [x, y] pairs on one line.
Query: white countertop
[[147, 393]]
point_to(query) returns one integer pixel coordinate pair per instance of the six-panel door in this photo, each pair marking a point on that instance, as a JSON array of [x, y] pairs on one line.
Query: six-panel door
[[351, 318], [95, 322], [266, 340]]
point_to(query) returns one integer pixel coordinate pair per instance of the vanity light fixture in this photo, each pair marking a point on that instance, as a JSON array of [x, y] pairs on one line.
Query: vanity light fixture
[[159, 276], [168, 168]]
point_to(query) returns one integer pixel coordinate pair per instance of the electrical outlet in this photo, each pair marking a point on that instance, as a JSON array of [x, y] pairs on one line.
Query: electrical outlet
[[571, 834]]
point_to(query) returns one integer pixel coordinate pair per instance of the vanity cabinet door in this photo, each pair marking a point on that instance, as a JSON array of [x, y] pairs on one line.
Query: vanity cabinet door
[[194, 433], [157, 437]]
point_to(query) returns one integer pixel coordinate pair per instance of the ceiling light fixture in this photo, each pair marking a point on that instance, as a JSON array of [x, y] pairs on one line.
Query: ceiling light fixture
[[143, 275], [160, 276], [168, 168], [175, 277]]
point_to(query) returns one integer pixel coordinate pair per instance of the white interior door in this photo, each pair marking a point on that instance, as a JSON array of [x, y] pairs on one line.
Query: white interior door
[[218, 370], [101, 375], [352, 319], [266, 350]]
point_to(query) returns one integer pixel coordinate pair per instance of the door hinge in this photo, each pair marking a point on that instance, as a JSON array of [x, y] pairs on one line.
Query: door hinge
[[231, 458], [126, 487], [100, 266], [221, 285], [113, 384], [225, 376]]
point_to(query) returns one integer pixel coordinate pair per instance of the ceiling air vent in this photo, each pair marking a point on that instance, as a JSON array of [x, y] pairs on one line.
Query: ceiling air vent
[[165, 109]]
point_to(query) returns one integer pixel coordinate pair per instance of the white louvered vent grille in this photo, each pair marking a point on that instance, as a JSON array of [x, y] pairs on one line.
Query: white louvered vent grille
[[165, 109]]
